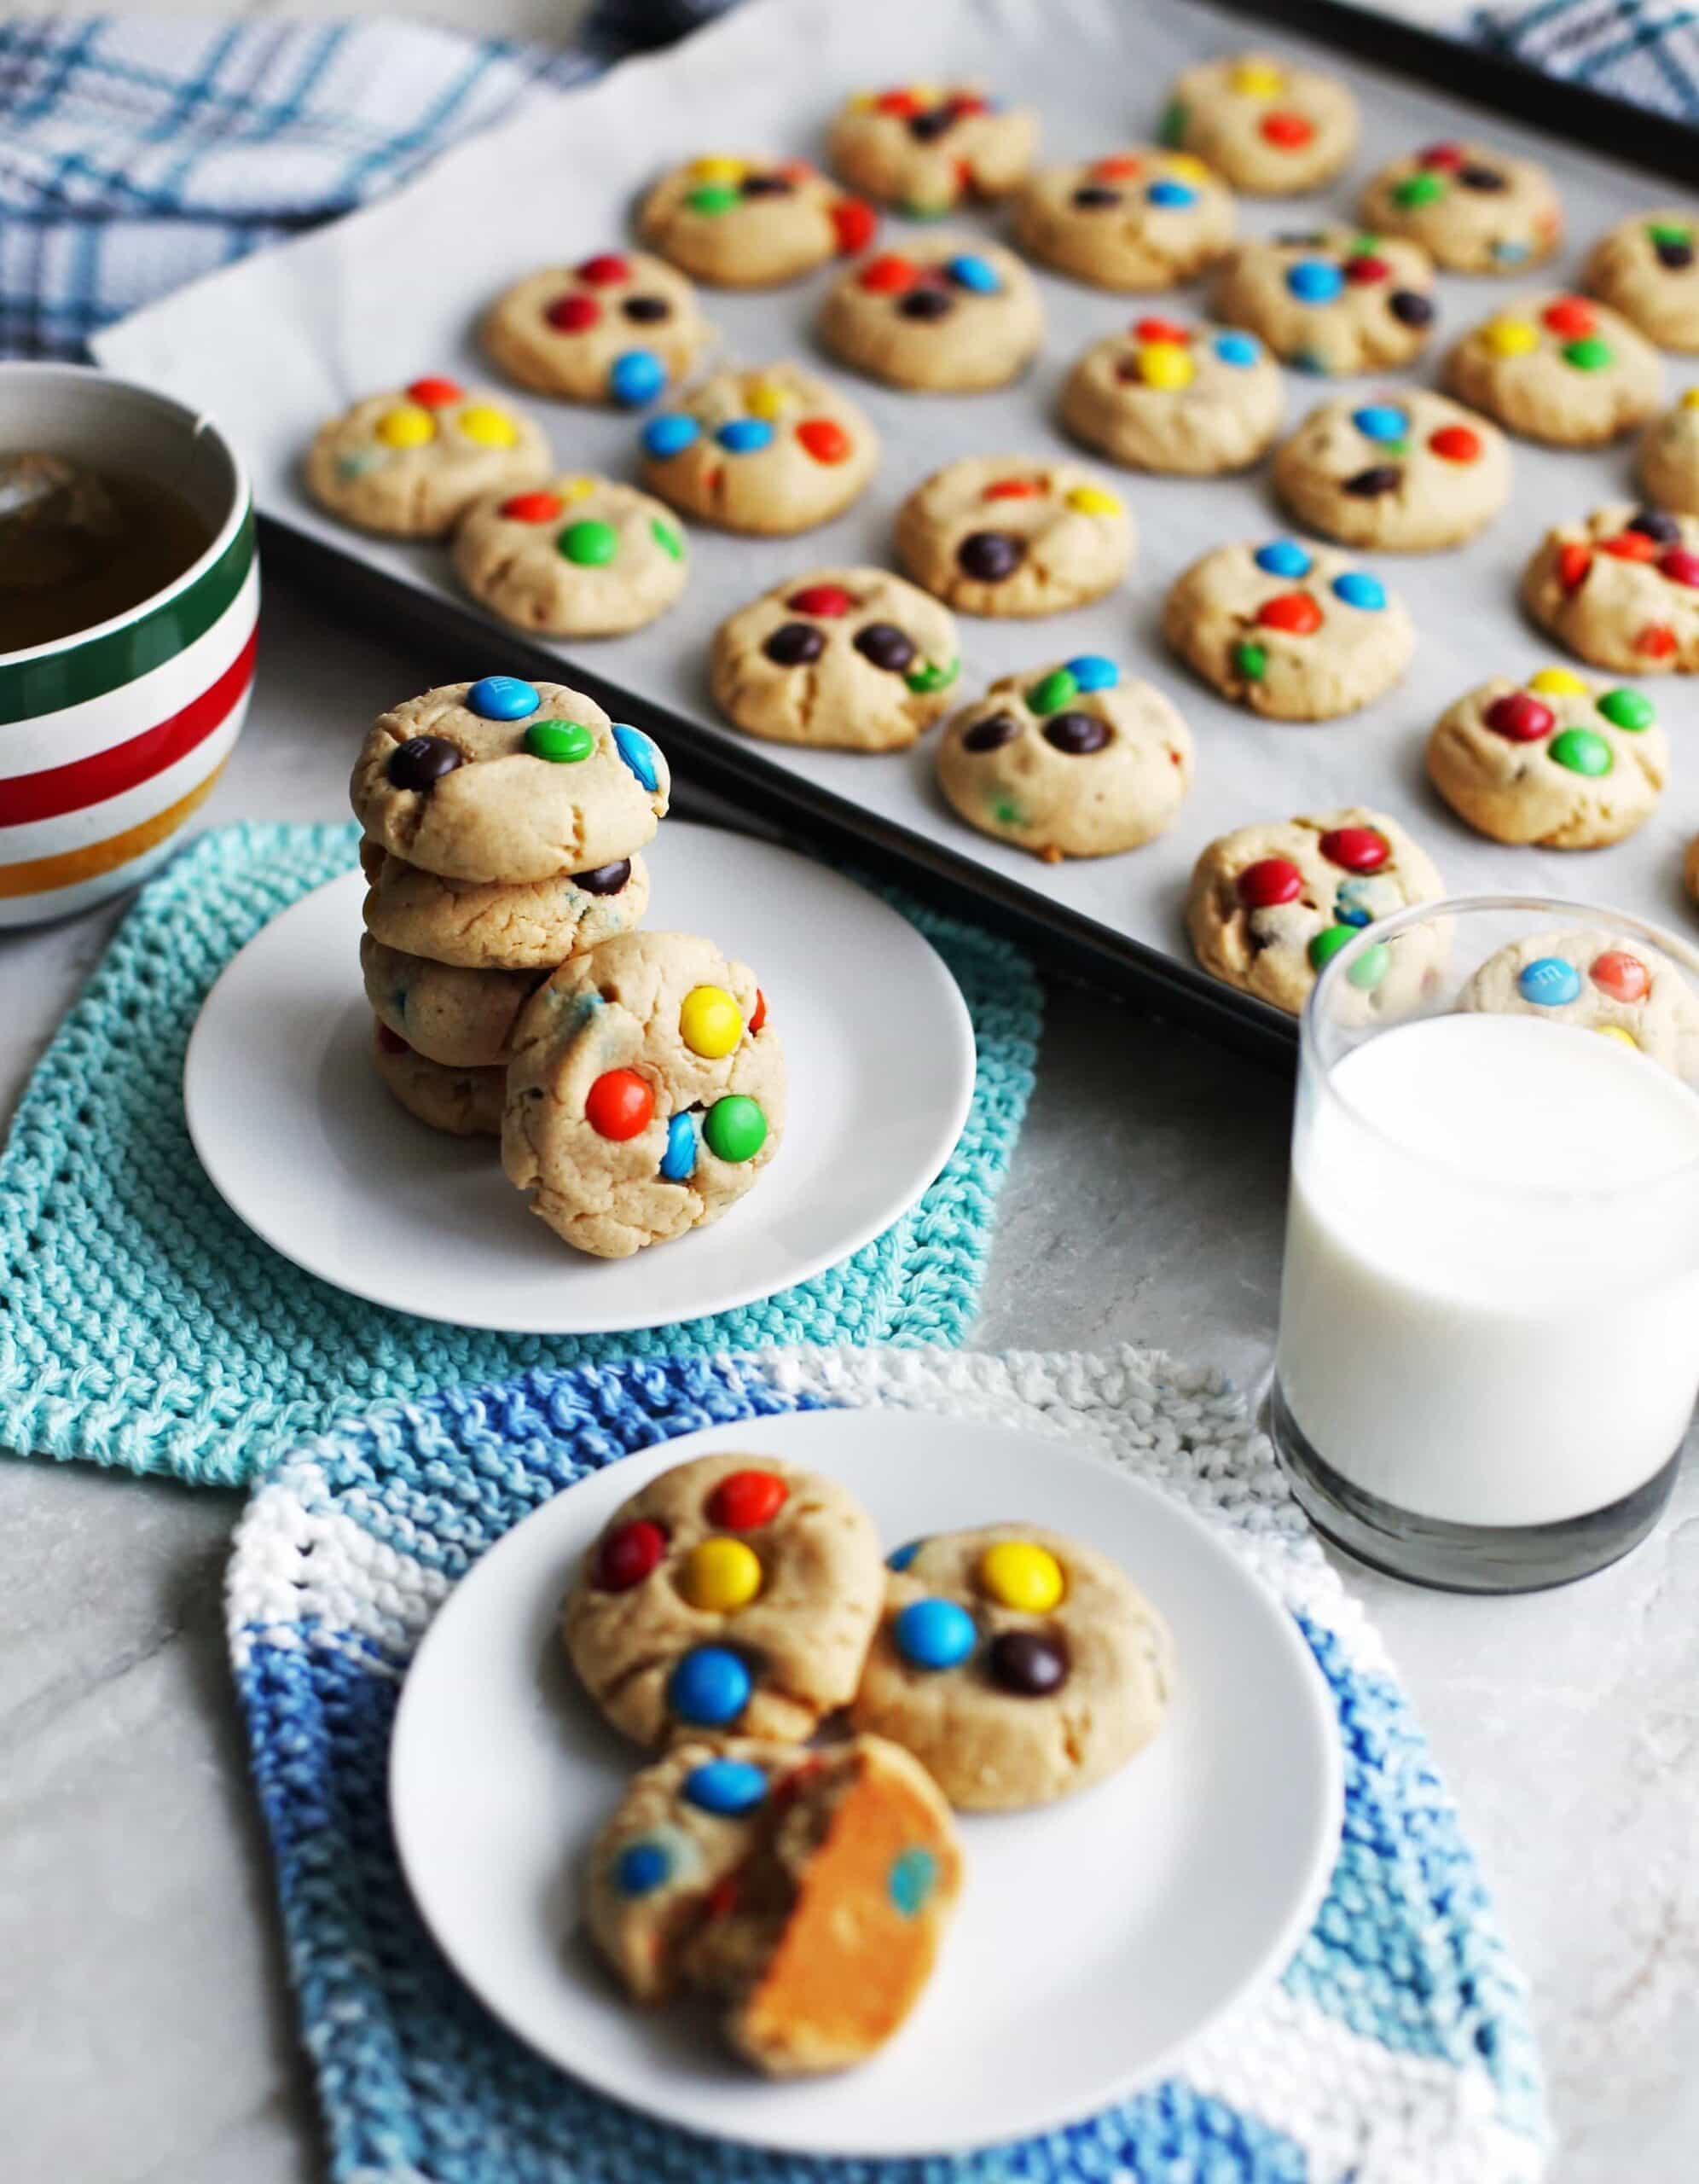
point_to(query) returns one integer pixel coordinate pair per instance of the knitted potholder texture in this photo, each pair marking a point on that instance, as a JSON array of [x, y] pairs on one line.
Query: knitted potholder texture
[[1395, 2050], [141, 1324]]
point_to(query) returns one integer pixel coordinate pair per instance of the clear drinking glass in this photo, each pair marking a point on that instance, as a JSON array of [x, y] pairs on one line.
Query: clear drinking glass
[[1489, 1314]]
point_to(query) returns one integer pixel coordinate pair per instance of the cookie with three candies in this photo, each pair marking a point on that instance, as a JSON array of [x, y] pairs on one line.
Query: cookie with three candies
[[1075, 759], [1596, 980], [1170, 396], [1472, 208], [848, 659], [805, 1892], [927, 148], [1557, 367], [459, 1102], [1648, 269], [1139, 218], [1270, 904], [499, 925], [772, 450], [1558, 761], [508, 781], [1404, 470], [1297, 632], [646, 1092], [1669, 455], [462, 1018], [732, 1595], [619, 326], [1016, 1665], [408, 462], [575, 557], [741, 222], [1330, 301], [1621, 589], [944, 315], [1009, 534], [1268, 128]]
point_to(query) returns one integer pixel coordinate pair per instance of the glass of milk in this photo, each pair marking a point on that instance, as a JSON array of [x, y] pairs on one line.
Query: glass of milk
[[1489, 1315]]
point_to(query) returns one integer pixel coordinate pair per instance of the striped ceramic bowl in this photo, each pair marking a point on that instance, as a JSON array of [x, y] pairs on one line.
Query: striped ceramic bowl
[[111, 738]]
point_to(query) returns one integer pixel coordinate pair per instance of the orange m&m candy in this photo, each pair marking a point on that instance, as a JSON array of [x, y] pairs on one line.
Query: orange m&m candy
[[745, 1500], [1630, 546], [825, 439], [532, 508], [1622, 976], [1289, 132], [888, 275], [854, 223], [1570, 315], [435, 393], [1161, 329], [619, 1105], [1456, 444], [1573, 563], [1295, 612]]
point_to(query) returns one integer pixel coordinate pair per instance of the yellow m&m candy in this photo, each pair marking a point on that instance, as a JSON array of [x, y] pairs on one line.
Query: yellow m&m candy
[[1018, 1573], [1165, 364], [767, 399], [1510, 337], [1616, 1031], [1690, 399], [1185, 166], [408, 425], [577, 489], [1092, 500], [709, 1022], [718, 170], [488, 426], [721, 1575], [1557, 683], [1257, 79]]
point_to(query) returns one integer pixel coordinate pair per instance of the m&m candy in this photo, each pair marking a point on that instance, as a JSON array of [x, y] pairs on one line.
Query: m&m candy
[[1314, 279], [745, 435], [642, 1868], [636, 377], [934, 1634], [1570, 315], [825, 440], [639, 754], [488, 426], [1283, 557], [1269, 882], [573, 314], [669, 434], [828, 600], [421, 761], [1018, 1573], [436, 393], [720, 1575], [1287, 132], [1628, 709], [1172, 196], [1028, 1663], [1090, 670], [562, 742], [605, 270], [589, 544], [709, 1022], [532, 508], [1456, 444], [1294, 612], [1381, 420], [1510, 337], [710, 1686], [728, 1787], [901, 1557], [619, 1105], [976, 274], [1358, 849], [1580, 751], [744, 1500], [407, 426], [1239, 349], [1358, 589], [1557, 683], [627, 1554], [1624, 977], [913, 1875], [678, 1162], [1053, 691], [502, 697], [1520, 717], [1549, 982], [734, 1129]]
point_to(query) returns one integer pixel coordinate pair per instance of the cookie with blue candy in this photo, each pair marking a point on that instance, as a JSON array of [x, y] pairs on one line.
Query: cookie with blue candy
[[1140, 219], [945, 314], [773, 450], [1331, 299], [619, 326]]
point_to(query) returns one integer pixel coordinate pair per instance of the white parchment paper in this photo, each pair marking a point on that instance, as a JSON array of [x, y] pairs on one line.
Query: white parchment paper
[[273, 346]]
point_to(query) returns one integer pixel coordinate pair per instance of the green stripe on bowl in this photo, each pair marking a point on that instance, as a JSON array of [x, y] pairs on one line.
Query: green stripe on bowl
[[30, 687]]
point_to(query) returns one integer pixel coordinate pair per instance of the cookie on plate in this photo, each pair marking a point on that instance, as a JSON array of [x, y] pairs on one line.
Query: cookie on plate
[[619, 326], [1167, 396], [845, 659], [1010, 534], [1472, 208], [1403, 470], [928, 147], [1075, 759], [1597, 981], [645, 1093], [1557, 367], [944, 315], [1296, 632], [1558, 761], [1268, 128], [731, 1594], [575, 557], [508, 781], [459, 1018], [752, 224], [1648, 269], [409, 462], [772, 450], [1270, 904], [1621, 589], [1142, 218], [1669, 455], [495, 925], [807, 1891], [1016, 1665], [1332, 300], [460, 1102]]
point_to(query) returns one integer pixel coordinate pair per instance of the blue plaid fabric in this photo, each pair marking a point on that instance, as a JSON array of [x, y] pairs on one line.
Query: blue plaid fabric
[[1645, 51]]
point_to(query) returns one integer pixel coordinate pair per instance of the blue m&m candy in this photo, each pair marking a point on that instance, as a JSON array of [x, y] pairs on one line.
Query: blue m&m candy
[[678, 1162], [1236, 348], [641, 1867], [1091, 671], [637, 377], [638, 753], [1283, 557], [969, 270], [1380, 420], [1357, 588], [1549, 982], [728, 1786], [901, 1557], [1314, 281], [745, 435], [670, 434], [935, 1634], [501, 697], [913, 1875], [1172, 193], [710, 1686]]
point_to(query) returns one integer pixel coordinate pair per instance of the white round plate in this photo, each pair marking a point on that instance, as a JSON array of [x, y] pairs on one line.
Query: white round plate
[[303, 1142], [1094, 1938]]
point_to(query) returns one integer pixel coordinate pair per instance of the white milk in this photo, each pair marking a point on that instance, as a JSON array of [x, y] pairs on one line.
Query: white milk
[[1490, 1312]]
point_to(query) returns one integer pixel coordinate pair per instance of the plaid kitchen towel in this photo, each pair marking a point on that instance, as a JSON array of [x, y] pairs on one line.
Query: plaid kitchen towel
[[1645, 51]]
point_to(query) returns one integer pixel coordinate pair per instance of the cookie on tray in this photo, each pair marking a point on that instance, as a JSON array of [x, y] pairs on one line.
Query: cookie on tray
[[1559, 762], [1010, 534], [1648, 269], [772, 450], [619, 326], [1401, 470], [1621, 589], [746, 223], [1170, 395], [1597, 981], [945, 314], [1142, 218], [408, 462], [1669, 456], [459, 1102], [497, 925], [1557, 367], [928, 148], [1473, 209], [1267, 127], [1332, 300], [575, 557]]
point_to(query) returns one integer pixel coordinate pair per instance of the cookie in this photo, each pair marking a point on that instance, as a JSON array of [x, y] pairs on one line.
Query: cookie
[[619, 327], [1621, 589], [1269, 905], [734, 1594], [1669, 455], [1142, 218], [1007, 534], [1404, 470], [1472, 208], [506, 780], [1557, 367], [459, 1018], [1297, 632], [806, 1893], [848, 659], [646, 1092], [1597, 981], [943, 314], [1018, 1666], [773, 450], [1329, 301], [1557, 760], [752, 224], [1648, 269], [1266, 128], [576, 557], [1071, 760], [494, 925], [460, 1102], [928, 148], [409, 462], [1166, 396]]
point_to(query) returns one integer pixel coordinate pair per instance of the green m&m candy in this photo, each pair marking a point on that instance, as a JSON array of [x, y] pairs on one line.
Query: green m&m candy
[[714, 197], [1582, 752], [666, 538], [1628, 709], [562, 742], [589, 544], [1589, 354], [1053, 691], [1252, 661], [1171, 128], [932, 675], [1328, 943], [1370, 967], [1423, 188], [734, 1129]]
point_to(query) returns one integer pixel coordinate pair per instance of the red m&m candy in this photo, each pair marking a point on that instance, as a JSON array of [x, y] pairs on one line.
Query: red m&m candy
[[435, 393], [854, 223], [1293, 611], [1456, 444], [1572, 317], [746, 1499], [1520, 717], [1657, 640], [532, 508], [827, 599], [825, 439], [1363, 270], [1622, 976], [889, 275], [1573, 563], [1119, 166], [760, 1015], [1289, 132], [1012, 489], [1630, 546], [604, 268], [1681, 566], [619, 1105], [627, 1554], [573, 314], [1161, 329], [1445, 156], [1359, 848], [898, 102], [1269, 881]]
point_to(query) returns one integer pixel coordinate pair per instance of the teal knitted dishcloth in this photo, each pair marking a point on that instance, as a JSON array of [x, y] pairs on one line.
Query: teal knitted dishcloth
[[143, 1326]]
